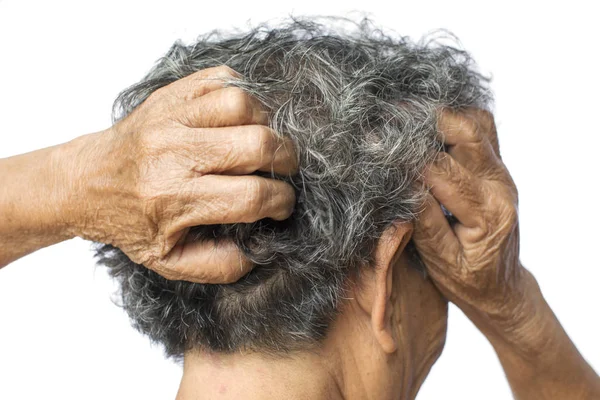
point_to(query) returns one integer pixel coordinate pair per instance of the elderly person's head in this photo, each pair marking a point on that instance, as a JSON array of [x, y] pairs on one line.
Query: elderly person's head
[[337, 304]]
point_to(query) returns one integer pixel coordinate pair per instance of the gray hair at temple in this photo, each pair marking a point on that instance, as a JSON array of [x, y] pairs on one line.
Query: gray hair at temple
[[360, 106]]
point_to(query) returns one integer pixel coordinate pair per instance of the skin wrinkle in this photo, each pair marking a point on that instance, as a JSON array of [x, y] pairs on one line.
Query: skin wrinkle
[[360, 107]]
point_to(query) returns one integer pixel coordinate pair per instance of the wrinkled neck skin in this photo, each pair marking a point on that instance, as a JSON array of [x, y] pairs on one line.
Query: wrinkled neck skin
[[350, 364]]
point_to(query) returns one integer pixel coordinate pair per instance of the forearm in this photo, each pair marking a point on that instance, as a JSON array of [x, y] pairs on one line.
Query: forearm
[[539, 359], [36, 192]]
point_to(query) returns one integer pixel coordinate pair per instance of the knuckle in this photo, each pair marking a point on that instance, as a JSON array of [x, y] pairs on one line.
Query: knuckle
[[423, 227], [225, 70], [506, 189], [161, 99], [511, 215], [426, 234], [256, 193], [260, 143], [426, 228], [441, 164], [506, 213], [485, 120], [154, 138], [286, 202], [155, 95], [240, 104], [455, 174], [471, 129]]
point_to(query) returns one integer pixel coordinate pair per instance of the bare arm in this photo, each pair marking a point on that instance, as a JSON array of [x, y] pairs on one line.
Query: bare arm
[[539, 359], [474, 261], [180, 159], [33, 210]]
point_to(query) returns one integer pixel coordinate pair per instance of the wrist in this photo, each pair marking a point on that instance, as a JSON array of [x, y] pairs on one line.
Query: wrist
[[87, 161], [521, 326], [534, 349], [524, 326]]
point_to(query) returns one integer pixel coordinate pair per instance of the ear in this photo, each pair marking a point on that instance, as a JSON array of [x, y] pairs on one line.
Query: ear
[[376, 283]]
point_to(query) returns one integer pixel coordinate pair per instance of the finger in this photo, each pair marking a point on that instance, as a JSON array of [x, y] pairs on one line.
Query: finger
[[230, 106], [457, 189], [236, 150], [479, 158], [221, 199], [433, 236], [202, 82], [206, 262], [471, 125]]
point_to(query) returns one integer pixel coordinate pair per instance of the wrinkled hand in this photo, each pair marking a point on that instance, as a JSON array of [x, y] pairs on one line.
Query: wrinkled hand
[[474, 261], [178, 160]]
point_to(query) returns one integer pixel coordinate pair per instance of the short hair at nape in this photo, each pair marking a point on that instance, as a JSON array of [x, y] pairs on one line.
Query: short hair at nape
[[360, 105]]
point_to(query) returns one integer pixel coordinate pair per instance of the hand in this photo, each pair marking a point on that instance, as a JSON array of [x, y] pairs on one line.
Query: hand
[[180, 159], [475, 260]]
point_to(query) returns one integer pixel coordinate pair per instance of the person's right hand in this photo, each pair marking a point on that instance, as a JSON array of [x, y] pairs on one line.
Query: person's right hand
[[181, 159]]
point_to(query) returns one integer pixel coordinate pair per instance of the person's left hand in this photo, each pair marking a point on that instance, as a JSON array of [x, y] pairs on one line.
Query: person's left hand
[[474, 261]]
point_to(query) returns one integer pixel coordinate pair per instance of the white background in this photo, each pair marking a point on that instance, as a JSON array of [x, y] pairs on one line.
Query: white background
[[62, 63]]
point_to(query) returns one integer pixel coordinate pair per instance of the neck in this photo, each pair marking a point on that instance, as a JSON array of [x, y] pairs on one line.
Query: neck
[[257, 376], [346, 366], [349, 363]]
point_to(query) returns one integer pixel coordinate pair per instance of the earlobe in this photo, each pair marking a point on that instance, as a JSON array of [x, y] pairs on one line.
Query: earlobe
[[389, 247], [381, 313]]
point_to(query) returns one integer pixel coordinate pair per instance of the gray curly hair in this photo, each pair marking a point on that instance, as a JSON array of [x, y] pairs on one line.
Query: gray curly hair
[[360, 106]]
